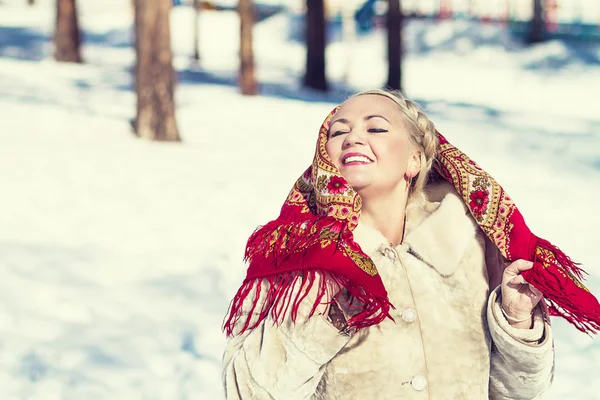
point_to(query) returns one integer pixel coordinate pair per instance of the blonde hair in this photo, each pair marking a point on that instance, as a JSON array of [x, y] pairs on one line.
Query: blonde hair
[[423, 135]]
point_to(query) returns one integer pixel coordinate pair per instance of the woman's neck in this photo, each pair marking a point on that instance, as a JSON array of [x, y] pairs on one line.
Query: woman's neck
[[386, 214]]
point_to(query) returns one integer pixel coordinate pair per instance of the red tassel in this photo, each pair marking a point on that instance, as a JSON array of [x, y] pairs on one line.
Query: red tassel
[[556, 275], [280, 299], [561, 258]]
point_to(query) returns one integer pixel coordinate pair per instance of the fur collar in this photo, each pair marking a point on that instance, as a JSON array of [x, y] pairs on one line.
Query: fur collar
[[438, 229]]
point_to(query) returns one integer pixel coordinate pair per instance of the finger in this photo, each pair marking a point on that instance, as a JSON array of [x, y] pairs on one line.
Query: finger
[[537, 292], [518, 280], [518, 266], [534, 299]]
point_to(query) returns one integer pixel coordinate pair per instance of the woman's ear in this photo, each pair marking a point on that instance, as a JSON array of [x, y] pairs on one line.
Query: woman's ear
[[414, 164]]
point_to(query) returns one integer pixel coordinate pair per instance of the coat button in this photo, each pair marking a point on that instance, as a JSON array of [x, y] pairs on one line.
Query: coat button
[[418, 382], [391, 254], [409, 314]]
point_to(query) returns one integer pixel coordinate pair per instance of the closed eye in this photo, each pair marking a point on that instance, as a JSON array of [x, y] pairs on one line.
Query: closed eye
[[377, 130], [337, 133]]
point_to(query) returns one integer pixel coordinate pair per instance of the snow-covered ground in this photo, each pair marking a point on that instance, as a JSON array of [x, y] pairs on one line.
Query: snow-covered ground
[[118, 256]]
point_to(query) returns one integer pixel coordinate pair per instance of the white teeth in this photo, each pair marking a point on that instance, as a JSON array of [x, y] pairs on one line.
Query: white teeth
[[356, 159]]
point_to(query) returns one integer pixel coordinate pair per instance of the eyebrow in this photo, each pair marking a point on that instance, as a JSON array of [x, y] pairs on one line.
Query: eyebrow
[[342, 120], [368, 117]]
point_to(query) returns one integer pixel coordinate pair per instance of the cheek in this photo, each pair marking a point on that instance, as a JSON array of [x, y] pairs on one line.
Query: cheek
[[332, 150], [395, 155]]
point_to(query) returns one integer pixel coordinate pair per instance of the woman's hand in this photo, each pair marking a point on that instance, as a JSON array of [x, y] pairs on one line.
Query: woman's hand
[[329, 308], [518, 297]]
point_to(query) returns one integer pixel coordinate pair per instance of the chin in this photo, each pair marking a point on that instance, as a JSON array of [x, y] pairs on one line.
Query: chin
[[358, 180], [358, 184]]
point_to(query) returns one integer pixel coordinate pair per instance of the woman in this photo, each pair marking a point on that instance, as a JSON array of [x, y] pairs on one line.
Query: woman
[[377, 281]]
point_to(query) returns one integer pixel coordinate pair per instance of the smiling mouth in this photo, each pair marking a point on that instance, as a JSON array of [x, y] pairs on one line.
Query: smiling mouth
[[356, 160]]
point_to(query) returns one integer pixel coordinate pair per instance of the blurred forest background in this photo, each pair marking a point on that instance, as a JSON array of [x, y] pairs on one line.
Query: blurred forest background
[[533, 20]]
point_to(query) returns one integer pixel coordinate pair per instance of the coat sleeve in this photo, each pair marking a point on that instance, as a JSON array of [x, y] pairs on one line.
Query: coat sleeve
[[522, 360], [284, 361]]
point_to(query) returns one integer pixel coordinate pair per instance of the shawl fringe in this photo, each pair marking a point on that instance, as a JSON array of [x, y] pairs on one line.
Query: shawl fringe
[[557, 276], [286, 291]]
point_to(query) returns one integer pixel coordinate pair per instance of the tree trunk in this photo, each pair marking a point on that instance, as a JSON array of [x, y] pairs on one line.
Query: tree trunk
[[537, 31], [394, 45], [67, 36], [31, 2], [154, 76], [472, 4], [196, 30], [247, 80], [316, 35], [349, 37]]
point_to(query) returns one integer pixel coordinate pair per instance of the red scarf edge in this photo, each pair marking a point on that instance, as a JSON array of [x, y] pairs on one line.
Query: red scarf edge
[[281, 297]]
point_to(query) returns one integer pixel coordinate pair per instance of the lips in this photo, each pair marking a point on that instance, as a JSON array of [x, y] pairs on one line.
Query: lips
[[355, 159]]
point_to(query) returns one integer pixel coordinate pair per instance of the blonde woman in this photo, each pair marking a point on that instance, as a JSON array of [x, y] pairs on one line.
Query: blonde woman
[[383, 279]]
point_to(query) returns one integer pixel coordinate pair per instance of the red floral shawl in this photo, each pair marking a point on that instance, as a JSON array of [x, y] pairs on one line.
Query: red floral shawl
[[313, 236]]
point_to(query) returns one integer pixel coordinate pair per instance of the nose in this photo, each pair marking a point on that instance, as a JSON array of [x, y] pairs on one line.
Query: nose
[[355, 137]]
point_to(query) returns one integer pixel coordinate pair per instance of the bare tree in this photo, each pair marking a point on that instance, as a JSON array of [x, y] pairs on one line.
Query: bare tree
[[154, 75], [394, 44], [31, 2], [316, 38], [67, 38], [196, 30], [472, 4], [537, 25], [349, 36], [247, 79]]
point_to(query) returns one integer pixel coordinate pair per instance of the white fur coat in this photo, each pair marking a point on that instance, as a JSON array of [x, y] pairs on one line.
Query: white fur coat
[[449, 339]]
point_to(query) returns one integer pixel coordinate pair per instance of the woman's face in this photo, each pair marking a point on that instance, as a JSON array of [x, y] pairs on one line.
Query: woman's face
[[369, 143]]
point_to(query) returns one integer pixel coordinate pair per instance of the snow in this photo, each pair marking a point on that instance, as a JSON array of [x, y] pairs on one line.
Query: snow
[[119, 256]]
